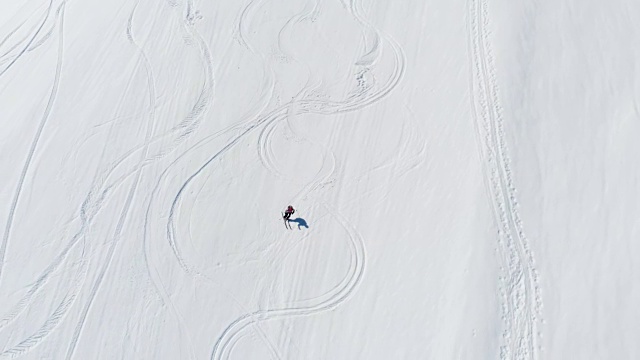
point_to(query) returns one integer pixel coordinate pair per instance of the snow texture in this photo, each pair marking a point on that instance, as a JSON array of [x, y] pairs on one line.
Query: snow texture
[[464, 175]]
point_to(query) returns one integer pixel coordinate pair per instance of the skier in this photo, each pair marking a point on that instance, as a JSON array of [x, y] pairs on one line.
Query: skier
[[287, 214]]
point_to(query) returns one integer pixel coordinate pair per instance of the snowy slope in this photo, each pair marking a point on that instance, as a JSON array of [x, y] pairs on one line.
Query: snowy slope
[[464, 176]]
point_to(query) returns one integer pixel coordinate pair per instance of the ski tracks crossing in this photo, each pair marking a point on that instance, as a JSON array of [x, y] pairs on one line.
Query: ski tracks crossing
[[28, 46], [130, 196], [301, 105], [57, 315], [34, 143], [96, 197], [365, 94]]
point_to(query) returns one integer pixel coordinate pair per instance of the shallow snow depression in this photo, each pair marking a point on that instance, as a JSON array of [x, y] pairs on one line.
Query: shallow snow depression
[[463, 174]]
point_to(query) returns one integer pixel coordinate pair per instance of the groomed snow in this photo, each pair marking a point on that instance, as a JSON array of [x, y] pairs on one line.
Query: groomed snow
[[464, 174]]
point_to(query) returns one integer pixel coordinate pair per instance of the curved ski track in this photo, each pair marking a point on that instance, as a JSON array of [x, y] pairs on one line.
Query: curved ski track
[[519, 283], [104, 184], [340, 293], [351, 281], [34, 143], [302, 106], [131, 194], [98, 195], [58, 314], [29, 42]]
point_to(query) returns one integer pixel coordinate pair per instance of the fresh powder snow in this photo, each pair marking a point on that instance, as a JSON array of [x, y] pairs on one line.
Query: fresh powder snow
[[464, 174]]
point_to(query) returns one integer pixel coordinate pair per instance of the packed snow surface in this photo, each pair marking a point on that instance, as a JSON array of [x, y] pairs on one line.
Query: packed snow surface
[[465, 176]]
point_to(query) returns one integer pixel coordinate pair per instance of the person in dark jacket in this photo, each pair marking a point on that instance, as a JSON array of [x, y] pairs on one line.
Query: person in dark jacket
[[288, 212]]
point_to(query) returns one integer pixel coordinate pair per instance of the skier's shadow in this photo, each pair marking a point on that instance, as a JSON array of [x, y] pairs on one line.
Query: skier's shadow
[[300, 221]]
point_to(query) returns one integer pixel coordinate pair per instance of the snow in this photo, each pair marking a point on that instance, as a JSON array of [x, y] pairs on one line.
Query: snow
[[465, 170]]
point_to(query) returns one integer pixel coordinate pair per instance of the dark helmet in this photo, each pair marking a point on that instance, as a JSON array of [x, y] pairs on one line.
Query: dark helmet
[[290, 207]]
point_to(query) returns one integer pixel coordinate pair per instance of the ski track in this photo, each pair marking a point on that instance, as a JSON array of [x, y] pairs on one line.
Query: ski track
[[159, 287], [53, 320], [340, 292], [312, 106], [51, 323], [132, 190], [372, 54], [519, 284], [188, 269], [31, 40], [32, 46], [56, 317], [5, 55], [310, 15], [171, 227], [249, 125], [363, 96], [183, 130], [203, 103], [89, 209], [354, 276], [351, 104], [243, 19], [198, 110], [12, 32], [34, 144]]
